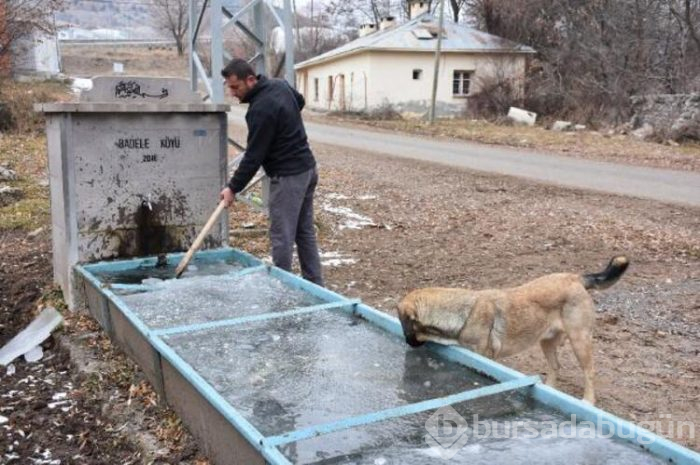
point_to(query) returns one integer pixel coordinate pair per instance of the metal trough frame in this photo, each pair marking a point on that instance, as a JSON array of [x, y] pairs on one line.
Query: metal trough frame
[[225, 433]]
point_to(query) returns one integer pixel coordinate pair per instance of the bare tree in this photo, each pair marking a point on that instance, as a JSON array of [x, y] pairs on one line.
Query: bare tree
[[25, 17], [688, 13], [457, 6], [593, 55], [323, 26], [368, 10], [172, 17]]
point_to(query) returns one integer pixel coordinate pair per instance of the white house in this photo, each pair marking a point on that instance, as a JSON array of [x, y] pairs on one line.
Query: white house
[[395, 65]]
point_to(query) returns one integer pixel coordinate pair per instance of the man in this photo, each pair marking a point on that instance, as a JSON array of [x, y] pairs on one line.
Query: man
[[277, 141]]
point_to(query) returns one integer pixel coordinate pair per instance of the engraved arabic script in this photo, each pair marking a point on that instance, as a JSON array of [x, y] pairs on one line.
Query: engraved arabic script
[[132, 89]]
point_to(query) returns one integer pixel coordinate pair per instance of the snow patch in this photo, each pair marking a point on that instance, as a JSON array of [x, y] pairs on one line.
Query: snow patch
[[352, 220], [336, 259], [79, 84]]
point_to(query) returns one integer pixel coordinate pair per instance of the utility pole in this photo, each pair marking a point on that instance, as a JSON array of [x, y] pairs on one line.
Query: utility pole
[[437, 61], [289, 44]]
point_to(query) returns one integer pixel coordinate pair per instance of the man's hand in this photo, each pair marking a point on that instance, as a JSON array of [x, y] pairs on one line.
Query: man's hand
[[228, 196]]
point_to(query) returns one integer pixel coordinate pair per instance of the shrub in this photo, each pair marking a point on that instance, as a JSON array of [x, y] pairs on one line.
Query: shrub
[[495, 97], [384, 112], [17, 101]]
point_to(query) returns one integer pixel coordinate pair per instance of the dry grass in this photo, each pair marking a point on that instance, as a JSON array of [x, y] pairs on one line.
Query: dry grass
[[81, 60], [584, 144], [23, 149], [19, 98], [27, 156]]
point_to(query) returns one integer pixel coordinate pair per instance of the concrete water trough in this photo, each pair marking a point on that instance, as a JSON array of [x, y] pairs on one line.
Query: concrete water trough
[[264, 367]]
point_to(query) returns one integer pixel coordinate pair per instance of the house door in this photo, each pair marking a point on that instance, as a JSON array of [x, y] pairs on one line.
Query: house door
[[342, 93]]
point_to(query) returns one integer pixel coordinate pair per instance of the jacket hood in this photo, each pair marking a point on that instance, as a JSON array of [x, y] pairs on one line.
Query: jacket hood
[[259, 86]]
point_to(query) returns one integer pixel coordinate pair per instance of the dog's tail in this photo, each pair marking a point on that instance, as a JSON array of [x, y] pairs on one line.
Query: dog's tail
[[606, 278]]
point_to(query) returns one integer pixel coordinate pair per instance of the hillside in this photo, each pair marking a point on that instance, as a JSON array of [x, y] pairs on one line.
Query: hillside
[[132, 17]]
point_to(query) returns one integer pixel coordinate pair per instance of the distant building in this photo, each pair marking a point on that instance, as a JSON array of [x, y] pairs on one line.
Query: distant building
[[36, 55], [393, 64], [79, 33]]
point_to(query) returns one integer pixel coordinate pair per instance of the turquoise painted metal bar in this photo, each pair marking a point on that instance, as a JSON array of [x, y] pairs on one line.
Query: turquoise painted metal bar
[[212, 254], [387, 414], [615, 426], [249, 432], [131, 316], [252, 318], [548, 396], [387, 322], [475, 362], [300, 283]]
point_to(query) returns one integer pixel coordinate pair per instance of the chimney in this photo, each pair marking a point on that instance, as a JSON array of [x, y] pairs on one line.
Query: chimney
[[387, 22], [367, 28], [418, 7]]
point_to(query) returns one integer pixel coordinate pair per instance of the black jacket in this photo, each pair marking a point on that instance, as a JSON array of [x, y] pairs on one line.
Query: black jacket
[[276, 135]]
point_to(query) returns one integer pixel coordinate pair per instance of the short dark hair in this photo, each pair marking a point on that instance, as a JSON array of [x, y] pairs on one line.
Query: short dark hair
[[239, 68]]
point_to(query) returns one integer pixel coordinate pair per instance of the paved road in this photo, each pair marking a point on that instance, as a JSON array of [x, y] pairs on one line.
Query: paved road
[[651, 183]]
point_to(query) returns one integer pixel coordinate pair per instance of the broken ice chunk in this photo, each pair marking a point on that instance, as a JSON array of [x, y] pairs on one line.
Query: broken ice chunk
[[34, 354]]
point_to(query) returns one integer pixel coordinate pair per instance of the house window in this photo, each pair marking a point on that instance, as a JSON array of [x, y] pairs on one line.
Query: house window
[[315, 89], [460, 82], [417, 74]]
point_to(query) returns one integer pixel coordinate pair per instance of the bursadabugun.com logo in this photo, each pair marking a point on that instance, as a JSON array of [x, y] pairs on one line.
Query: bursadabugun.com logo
[[448, 432]]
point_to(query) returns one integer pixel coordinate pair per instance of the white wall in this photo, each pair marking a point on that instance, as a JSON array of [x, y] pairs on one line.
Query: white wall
[[353, 70], [36, 55], [392, 73], [389, 79]]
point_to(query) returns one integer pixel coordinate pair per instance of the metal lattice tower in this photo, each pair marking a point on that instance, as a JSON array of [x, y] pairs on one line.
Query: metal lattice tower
[[224, 15]]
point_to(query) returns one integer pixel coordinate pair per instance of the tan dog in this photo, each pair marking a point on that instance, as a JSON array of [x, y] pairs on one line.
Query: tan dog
[[502, 322]]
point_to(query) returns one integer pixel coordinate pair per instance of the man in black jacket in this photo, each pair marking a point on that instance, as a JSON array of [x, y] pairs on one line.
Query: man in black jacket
[[277, 141]]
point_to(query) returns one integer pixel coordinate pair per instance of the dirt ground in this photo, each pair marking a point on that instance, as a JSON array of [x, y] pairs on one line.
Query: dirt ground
[[88, 61], [84, 402], [386, 226], [48, 416]]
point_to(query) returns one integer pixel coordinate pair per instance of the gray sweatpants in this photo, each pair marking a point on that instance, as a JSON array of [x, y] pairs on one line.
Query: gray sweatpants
[[292, 221]]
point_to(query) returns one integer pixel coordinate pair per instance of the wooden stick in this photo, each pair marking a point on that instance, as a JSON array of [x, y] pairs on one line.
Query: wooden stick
[[198, 241]]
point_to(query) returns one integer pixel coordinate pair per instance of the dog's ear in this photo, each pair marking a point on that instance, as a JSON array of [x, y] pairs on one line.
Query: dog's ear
[[407, 308]]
